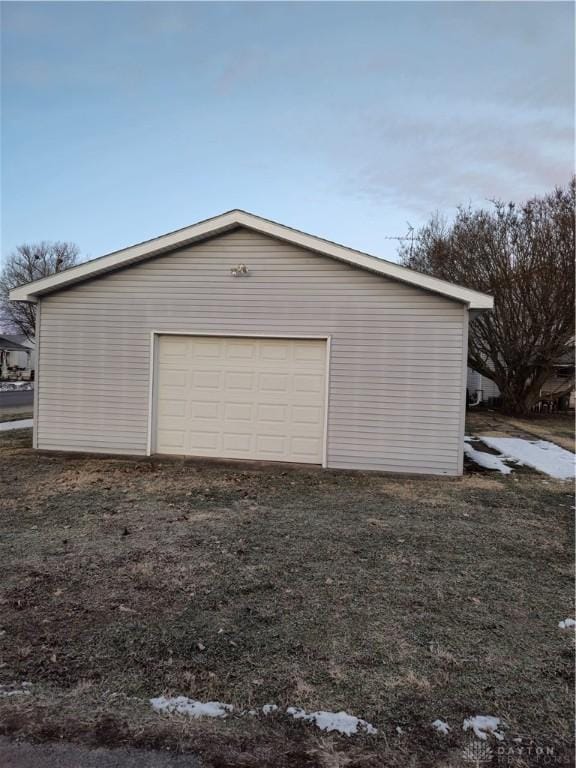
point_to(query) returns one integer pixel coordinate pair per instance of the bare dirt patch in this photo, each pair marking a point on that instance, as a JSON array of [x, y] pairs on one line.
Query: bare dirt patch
[[397, 600]]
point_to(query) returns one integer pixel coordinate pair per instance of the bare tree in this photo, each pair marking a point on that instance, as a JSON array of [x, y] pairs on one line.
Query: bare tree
[[25, 264], [523, 256]]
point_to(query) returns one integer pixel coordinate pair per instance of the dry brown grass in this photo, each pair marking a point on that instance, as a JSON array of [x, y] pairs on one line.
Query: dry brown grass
[[396, 600], [556, 427]]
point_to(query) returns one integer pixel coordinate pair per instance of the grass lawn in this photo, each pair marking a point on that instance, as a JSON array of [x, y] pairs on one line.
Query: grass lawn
[[15, 414], [556, 427], [399, 600]]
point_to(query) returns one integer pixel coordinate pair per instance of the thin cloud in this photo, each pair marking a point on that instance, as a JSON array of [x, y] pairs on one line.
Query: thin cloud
[[423, 164]]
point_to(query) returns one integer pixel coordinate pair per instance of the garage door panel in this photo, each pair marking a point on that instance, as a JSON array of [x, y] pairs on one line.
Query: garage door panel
[[271, 413], [206, 379], [239, 412], [243, 381], [173, 424], [174, 349], [308, 383], [306, 353], [274, 446], [205, 411], [274, 351], [306, 431], [173, 377], [243, 350], [237, 442], [242, 398], [203, 440], [273, 428], [307, 414], [172, 438], [305, 446], [172, 408], [206, 349], [274, 382]]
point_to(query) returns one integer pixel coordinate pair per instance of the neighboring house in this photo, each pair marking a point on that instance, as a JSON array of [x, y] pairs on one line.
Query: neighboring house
[[241, 338], [481, 389], [17, 356], [485, 391], [562, 380]]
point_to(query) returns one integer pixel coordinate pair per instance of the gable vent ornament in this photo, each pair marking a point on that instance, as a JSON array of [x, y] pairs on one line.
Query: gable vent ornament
[[240, 270]]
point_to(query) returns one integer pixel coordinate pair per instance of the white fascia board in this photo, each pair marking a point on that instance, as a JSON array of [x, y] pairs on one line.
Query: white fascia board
[[475, 299], [229, 220], [123, 258]]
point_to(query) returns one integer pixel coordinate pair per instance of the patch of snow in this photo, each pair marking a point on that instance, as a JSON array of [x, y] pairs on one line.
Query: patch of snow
[[567, 623], [182, 705], [539, 454], [267, 709], [20, 424], [441, 726], [482, 725], [5, 691], [486, 460], [333, 721], [10, 386]]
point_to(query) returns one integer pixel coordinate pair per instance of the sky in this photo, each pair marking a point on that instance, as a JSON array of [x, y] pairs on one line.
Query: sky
[[125, 120]]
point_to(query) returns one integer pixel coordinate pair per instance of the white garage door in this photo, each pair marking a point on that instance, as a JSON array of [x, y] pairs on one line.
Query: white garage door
[[241, 398]]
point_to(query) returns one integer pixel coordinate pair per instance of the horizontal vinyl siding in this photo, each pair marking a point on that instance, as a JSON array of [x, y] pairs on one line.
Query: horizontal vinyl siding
[[476, 381], [395, 395]]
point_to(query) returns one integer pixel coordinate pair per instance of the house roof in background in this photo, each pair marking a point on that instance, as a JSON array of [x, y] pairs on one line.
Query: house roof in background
[[8, 343], [232, 220]]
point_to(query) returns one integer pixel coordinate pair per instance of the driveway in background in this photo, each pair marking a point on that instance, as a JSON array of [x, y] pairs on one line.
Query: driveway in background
[[16, 404], [22, 755]]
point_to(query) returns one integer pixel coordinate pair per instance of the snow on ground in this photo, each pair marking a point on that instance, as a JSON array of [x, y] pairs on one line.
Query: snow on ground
[[20, 424], [486, 460], [10, 386], [567, 624], [341, 722], [182, 705], [539, 454], [267, 709], [482, 725], [326, 721], [441, 726], [333, 721], [6, 690]]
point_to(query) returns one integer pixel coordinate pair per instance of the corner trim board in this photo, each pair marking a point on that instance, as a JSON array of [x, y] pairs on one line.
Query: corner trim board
[[36, 404], [463, 387]]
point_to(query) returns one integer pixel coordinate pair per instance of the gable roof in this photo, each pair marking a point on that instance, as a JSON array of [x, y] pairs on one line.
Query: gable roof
[[19, 338], [8, 343], [231, 220]]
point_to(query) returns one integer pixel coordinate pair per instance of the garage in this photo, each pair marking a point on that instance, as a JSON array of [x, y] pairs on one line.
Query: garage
[[240, 338], [249, 398]]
